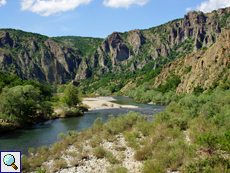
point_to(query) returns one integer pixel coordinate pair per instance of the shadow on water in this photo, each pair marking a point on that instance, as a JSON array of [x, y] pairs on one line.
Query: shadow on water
[[46, 133]]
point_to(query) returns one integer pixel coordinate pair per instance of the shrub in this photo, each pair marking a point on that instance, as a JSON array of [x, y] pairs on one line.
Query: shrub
[[95, 141], [25, 166], [59, 164], [111, 158], [144, 153], [198, 90], [39, 170], [99, 152], [187, 70], [122, 122], [116, 169], [71, 97]]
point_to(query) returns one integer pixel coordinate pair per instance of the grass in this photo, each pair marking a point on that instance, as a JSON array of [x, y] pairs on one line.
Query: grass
[[99, 152], [111, 158], [117, 169], [59, 164]]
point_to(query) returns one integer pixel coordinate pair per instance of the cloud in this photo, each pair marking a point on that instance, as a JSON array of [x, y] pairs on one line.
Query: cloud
[[48, 7], [124, 3], [2, 2], [188, 9], [208, 6]]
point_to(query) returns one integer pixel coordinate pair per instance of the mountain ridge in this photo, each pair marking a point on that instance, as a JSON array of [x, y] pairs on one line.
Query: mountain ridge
[[58, 60]]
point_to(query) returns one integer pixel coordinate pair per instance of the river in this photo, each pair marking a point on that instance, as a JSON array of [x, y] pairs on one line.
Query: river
[[46, 133]]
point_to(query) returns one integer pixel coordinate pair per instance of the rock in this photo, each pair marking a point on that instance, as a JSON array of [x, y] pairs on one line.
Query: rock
[[103, 70], [207, 65]]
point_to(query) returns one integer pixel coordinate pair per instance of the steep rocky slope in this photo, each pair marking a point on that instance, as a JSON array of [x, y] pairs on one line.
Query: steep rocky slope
[[207, 68], [133, 50], [33, 56], [57, 60]]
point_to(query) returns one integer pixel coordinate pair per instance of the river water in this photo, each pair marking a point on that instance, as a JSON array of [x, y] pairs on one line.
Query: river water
[[46, 133]]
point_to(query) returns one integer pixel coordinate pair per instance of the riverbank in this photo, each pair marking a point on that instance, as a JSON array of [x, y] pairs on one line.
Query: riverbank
[[109, 147], [82, 159], [57, 113], [103, 103]]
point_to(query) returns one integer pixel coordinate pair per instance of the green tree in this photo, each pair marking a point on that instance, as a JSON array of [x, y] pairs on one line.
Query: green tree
[[71, 97], [22, 104]]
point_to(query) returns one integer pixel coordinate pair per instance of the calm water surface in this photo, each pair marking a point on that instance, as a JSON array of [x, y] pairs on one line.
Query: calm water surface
[[46, 133]]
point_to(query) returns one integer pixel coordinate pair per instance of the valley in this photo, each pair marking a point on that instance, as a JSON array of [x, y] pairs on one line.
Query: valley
[[182, 66]]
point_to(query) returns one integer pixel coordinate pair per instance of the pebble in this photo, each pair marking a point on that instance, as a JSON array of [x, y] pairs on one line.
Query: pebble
[[94, 165]]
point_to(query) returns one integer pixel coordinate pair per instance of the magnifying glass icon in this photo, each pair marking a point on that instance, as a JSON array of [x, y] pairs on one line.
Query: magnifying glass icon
[[9, 160]]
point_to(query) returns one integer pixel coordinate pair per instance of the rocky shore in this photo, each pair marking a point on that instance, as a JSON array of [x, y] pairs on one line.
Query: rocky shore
[[89, 163]]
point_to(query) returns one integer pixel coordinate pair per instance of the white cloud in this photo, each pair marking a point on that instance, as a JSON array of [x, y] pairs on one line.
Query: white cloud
[[48, 7], [2, 2], [124, 3], [208, 6], [188, 9]]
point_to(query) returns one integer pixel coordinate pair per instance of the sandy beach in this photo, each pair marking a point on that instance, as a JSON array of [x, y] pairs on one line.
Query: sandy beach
[[103, 103]]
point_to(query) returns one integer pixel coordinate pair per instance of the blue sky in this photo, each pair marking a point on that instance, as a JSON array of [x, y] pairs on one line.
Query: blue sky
[[96, 18]]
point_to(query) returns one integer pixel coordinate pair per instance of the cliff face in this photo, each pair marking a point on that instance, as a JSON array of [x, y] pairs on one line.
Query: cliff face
[[169, 41], [206, 67], [56, 60], [37, 57]]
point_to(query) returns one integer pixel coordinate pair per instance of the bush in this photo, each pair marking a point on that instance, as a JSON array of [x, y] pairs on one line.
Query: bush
[[104, 92], [111, 158], [71, 97], [198, 90], [187, 70], [99, 152], [144, 153], [209, 141], [59, 164]]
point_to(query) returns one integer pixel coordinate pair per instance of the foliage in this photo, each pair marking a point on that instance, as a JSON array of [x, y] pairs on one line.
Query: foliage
[[187, 70], [71, 97], [21, 104], [13, 80], [99, 152], [171, 83], [191, 135], [84, 45], [198, 90], [21, 34]]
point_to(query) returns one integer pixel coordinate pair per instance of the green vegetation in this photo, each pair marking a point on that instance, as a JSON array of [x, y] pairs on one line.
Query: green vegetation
[[85, 45], [23, 105], [144, 94], [191, 134], [187, 70], [198, 90], [22, 34], [25, 102], [172, 82], [71, 97]]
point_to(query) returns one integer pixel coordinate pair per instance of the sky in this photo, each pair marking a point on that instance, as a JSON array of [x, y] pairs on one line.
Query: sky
[[96, 18]]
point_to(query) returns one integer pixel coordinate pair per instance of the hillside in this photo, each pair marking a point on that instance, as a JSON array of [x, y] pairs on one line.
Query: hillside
[[38, 57], [207, 69], [131, 58]]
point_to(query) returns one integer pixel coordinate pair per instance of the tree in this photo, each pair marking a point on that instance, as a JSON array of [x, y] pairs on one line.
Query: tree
[[22, 104], [198, 90], [71, 97]]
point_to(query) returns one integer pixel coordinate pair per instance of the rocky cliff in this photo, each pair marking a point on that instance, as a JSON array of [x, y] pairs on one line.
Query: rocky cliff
[[57, 60], [207, 68]]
